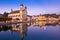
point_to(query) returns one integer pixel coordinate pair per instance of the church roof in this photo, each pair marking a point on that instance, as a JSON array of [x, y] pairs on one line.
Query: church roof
[[21, 4], [17, 11]]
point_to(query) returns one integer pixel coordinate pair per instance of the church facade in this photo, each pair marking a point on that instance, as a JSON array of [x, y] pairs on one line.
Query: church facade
[[20, 15]]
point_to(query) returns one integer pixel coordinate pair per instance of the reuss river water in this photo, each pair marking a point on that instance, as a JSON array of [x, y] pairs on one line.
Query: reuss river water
[[30, 31]]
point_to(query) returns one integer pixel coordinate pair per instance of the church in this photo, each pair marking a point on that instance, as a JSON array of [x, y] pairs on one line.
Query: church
[[20, 15]]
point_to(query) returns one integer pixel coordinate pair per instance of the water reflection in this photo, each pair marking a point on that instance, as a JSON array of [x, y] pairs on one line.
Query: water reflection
[[46, 23], [4, 28], [25, 30], [22, 28]]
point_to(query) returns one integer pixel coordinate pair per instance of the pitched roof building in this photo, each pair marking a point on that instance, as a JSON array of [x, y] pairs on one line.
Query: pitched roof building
[[19, 14]]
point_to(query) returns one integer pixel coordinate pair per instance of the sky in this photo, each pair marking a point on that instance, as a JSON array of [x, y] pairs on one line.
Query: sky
[[34, 7]]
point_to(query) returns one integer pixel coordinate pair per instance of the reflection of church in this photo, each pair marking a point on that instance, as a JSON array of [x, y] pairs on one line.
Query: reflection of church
[[20, 15], [22, 28]]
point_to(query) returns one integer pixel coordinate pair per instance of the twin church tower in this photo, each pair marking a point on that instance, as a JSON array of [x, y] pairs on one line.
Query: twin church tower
[[20, 15]]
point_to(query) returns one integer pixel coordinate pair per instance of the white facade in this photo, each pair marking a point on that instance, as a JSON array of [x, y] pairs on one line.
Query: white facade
[[14, 16], [19, 14]]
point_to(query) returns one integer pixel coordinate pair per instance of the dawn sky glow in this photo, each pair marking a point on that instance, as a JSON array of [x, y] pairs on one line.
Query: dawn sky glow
[[34, 6]]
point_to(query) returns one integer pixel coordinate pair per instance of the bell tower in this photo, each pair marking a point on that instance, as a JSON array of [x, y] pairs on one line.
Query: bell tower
[[21, 12], [21, 8]]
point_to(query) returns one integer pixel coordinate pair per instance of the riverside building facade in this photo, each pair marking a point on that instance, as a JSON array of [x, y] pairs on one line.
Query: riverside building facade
[[20, 15]]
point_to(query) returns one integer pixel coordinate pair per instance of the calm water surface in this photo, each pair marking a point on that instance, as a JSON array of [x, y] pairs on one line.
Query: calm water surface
[[30, 32]]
